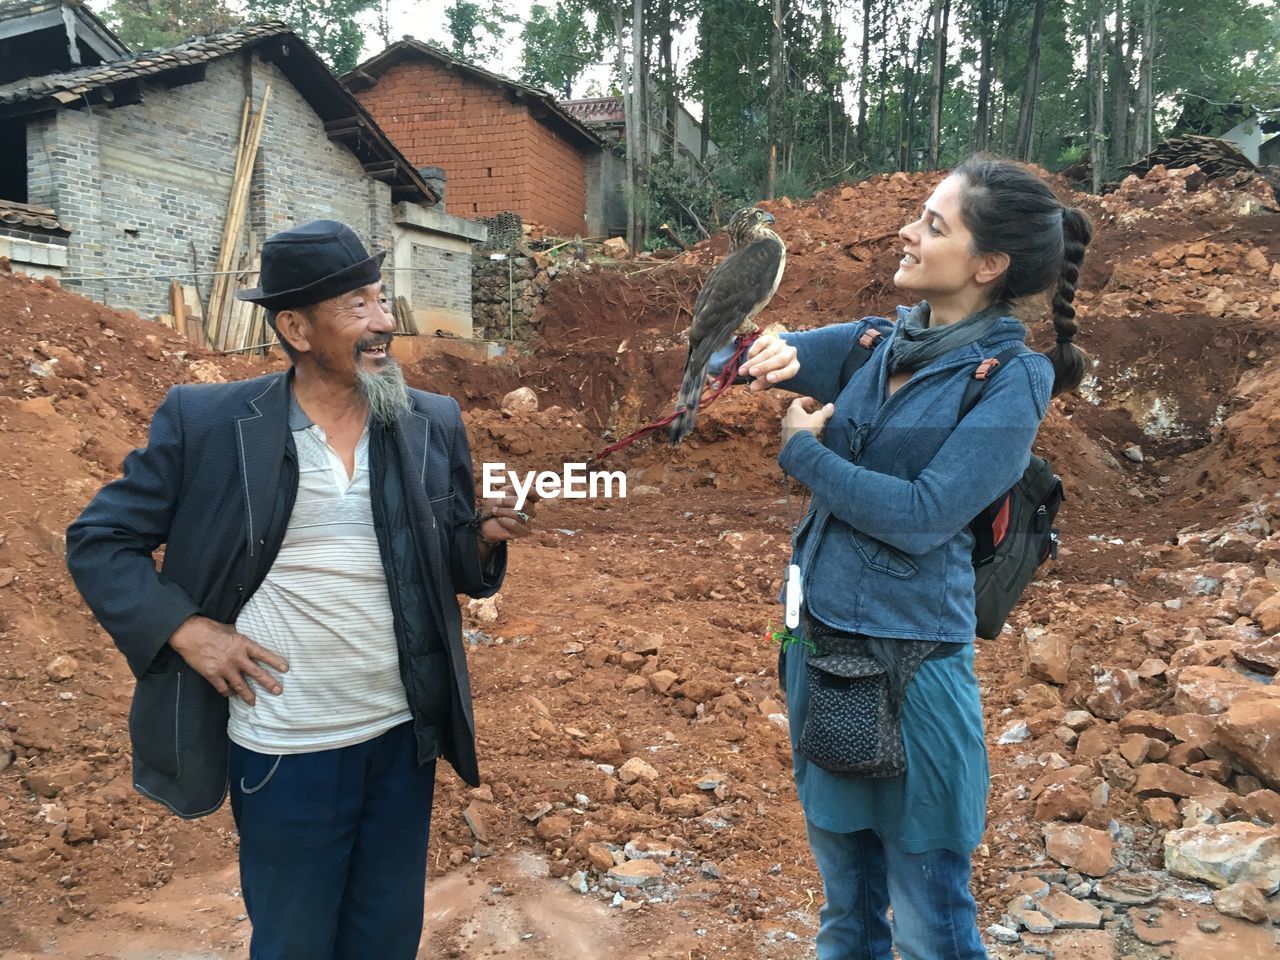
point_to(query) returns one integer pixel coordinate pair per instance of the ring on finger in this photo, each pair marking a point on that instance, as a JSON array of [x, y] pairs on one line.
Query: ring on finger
[[522, 516]]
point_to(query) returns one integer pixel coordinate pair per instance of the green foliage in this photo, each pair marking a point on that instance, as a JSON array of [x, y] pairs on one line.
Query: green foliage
[[328, 26], [151, 24], [558, 45], [477, 29]]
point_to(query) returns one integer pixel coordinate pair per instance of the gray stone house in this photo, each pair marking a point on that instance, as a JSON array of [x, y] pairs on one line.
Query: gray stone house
[[127, 164]]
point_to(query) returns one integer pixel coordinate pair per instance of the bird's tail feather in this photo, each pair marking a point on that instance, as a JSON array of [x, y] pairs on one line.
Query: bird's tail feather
[[695, 376]]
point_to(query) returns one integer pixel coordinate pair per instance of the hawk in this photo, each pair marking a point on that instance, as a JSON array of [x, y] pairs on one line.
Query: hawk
[[728, 302]]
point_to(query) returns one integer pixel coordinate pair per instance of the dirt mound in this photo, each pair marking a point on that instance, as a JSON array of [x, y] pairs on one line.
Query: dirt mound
[[633, 744]]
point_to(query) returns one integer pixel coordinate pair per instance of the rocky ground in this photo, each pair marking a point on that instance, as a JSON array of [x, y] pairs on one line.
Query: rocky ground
[[637, 797]]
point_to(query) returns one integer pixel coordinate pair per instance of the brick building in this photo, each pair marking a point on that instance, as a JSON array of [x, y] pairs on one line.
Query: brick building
[[503, 146], [127, 166]]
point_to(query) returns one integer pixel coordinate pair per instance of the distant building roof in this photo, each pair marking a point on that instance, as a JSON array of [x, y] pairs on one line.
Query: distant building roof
[[542, 104], [345, 120], [596, 109]]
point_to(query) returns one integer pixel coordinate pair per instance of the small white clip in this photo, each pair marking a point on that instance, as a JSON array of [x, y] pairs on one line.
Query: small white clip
[[793, 596]]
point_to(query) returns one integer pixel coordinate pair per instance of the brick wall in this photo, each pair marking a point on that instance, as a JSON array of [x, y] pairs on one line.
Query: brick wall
[[496, 155], [139, 185]]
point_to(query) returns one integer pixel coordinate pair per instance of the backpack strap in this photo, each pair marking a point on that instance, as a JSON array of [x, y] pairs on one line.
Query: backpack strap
[[983, 526], [977, 385], [858, 355]]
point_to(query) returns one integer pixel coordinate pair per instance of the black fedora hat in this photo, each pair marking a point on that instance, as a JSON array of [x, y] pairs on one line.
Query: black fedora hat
[[312, 262]]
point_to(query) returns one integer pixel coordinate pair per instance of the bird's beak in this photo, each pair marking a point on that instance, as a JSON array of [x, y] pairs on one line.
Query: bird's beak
[[768, 217]]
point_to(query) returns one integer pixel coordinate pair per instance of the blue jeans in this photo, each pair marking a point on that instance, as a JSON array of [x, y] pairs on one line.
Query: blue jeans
[[333, 848], [934, 914]]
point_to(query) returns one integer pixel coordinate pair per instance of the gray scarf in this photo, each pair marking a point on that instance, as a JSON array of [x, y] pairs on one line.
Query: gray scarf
[[916, 344]]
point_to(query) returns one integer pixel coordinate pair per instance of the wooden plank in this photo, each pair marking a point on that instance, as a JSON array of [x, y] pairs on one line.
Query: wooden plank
[[178, 305], [235, 221]]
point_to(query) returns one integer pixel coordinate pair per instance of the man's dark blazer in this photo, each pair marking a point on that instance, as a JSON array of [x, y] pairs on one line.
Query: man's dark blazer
[[215, 486]]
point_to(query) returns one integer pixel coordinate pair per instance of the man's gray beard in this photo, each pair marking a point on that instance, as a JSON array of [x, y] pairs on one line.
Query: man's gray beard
[[384, 392]]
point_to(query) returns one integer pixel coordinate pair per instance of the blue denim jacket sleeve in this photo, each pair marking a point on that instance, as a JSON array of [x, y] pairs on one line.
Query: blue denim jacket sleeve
[[821, 353], [984, 456]]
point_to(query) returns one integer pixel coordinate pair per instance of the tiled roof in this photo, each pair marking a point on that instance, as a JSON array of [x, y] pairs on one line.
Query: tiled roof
[[344, 119], [73, 84], [26, 216], [595, 109]]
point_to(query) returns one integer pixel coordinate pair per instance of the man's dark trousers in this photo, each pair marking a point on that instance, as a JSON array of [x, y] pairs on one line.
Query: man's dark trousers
[[333, 848]]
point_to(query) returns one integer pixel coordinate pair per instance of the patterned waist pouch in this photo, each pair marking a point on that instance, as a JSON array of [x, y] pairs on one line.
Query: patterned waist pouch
[[857, 686]]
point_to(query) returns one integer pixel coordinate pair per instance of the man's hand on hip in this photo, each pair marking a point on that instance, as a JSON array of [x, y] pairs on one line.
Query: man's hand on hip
[[227, 659]]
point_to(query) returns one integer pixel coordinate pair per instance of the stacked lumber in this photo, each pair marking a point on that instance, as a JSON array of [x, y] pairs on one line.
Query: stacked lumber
[[405, 324], [1215, 158], [216, 322]]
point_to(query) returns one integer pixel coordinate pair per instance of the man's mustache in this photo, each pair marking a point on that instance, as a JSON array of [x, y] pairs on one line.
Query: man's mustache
[[373, 342]]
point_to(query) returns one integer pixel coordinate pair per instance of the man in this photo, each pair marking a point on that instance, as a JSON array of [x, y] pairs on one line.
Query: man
[[317, 526]]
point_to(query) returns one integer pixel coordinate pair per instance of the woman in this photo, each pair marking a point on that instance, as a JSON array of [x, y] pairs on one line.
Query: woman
[[885, 551]]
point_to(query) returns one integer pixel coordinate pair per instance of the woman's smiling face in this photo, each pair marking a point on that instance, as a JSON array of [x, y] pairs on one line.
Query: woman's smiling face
[[938, 257]]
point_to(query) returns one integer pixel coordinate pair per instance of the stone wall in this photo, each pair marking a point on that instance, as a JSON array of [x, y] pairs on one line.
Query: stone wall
[[506, 292]]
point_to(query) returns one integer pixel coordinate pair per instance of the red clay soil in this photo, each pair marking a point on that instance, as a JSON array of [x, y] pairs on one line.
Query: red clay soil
[[633, 629]]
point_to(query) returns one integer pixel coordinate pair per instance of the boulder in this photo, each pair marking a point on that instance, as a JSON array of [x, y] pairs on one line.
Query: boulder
[[1250, 729], [1267, 614], [520, 400], [615, 248], [1115, 693], [1048, 657], [1078, 847], [1225, 853], [1262, 655], [1066, 912], [1242, 900], [1208, 690], [1063, 801]]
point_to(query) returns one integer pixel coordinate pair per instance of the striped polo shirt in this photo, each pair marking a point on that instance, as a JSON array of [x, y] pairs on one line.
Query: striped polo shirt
[[325, 608]]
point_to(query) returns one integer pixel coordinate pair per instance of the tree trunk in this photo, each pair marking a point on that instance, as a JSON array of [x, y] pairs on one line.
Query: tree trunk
[[913, 110], [1119, 91], [826, 63], [982, 123], [904, 112], [1099, 152], [628, 119], [640, 113], [1027, 110], [704, 41], [862, 77], [941, 16], [776, 80], [1146, 104], [669, 101], [883, 84]]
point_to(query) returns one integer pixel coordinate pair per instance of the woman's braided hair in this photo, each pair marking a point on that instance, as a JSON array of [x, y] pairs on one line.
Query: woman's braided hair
[[1010, 210]]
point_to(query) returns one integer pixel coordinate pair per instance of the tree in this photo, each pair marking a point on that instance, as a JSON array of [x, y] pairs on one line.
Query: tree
[[941, 15], [476, 30], [982, 119], [863, 76], [1098, 145], [151, 24], [1146, 98], [558, 44], [777, 79], [328, 26], [1027, 110]]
